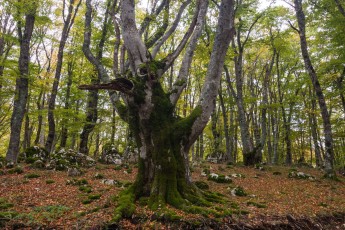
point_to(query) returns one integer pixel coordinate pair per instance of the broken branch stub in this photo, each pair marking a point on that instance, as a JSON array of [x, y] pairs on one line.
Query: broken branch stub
[[120, 84]]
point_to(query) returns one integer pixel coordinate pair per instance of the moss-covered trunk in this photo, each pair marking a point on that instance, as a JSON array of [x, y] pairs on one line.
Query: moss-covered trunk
[[163, 175]]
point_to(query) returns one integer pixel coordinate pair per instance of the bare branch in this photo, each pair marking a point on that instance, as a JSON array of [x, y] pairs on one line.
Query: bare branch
[[293, 27]]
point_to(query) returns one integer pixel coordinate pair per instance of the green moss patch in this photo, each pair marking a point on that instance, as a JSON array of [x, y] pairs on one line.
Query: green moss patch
[[255, 204], [85, 188], [49, 181], [94, 197], [125, 204], [238, 191], [31, 176]]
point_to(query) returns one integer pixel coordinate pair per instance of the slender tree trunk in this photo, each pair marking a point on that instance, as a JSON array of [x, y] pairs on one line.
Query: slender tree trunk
[[91, 119], [113, 127], [68, 22], [91, 109], [27, 129], [64, 129], [228, 155], [216, 135], [22, 83], [40, 106], [247, 144], [327, 127], [314, 133], [340, 82]]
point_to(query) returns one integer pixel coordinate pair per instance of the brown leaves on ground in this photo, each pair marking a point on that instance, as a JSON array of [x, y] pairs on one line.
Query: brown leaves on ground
[[50, 202]]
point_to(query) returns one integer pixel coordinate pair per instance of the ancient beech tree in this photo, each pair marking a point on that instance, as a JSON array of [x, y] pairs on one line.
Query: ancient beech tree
[[163, 138]]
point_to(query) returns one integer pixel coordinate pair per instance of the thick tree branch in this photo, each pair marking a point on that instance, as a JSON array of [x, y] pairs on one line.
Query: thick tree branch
[[225, 33], [119, 84], [134, 45], [181, 81]]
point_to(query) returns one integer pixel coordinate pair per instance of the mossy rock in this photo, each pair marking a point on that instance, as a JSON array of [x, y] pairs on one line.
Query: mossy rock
[[202, 185], [35, 153], [219, 178], [300, 175], [110, 155], [38, 164], [64, 159], [237, 175], [17, 170], [238, 191]]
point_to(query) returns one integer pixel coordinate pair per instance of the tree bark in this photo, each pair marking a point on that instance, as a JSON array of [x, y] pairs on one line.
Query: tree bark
[[327, 128], [22, 83]]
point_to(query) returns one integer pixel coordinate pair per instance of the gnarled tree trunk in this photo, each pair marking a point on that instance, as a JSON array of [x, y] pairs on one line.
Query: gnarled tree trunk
[[163, 138]]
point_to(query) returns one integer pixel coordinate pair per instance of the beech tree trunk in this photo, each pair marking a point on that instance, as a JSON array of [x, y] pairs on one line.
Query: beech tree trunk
[[327, 128], [22, 83]]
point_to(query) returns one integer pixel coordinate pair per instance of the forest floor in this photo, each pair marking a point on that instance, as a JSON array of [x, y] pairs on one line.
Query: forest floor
[[41, 199]]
